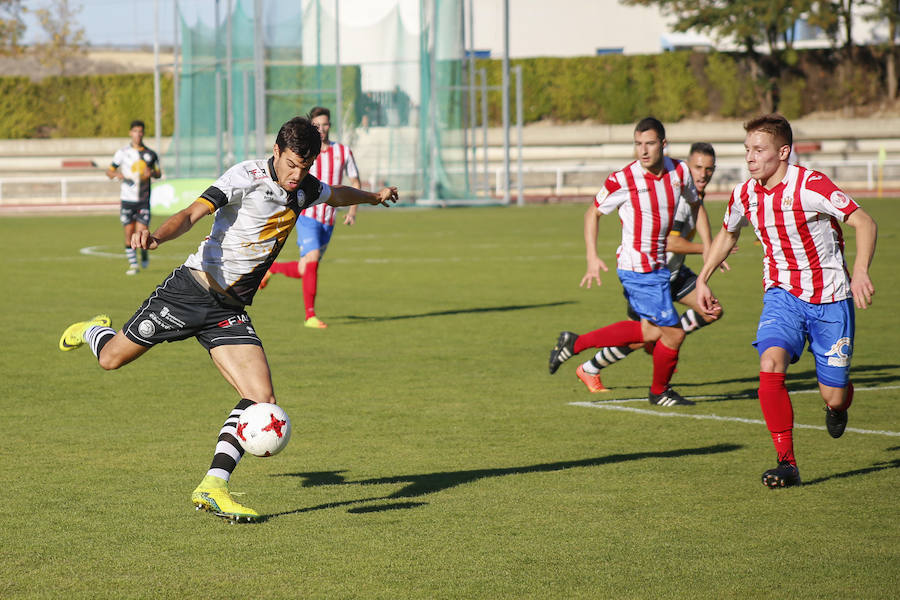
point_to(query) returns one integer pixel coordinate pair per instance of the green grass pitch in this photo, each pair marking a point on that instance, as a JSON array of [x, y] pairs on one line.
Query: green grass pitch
[[432, 454]]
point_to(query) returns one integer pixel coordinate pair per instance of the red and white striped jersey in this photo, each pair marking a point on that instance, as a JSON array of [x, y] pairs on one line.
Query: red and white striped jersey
[[646, 205], [798, 223], [329, 168]]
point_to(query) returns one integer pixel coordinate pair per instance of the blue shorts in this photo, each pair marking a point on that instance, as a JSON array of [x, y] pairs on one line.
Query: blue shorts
[[788, 322], [312, 235], [650, 295]]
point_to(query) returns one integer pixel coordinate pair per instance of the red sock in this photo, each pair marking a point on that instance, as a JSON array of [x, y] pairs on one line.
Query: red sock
[[849, 395], [778, 413], [617, 334], [664, 361], [291, 269], [310, 283]]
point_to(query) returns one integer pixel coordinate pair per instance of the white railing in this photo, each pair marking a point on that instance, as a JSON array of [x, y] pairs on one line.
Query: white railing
[[63, 187], [729, 174]]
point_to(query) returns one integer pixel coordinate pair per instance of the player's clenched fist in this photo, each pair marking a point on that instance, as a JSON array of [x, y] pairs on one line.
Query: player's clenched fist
[[143, 240]]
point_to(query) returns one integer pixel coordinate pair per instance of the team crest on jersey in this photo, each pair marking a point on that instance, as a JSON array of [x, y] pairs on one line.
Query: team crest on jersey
[[839, 354], [147, 157], [839, 199], [257, 174], [787, 202]]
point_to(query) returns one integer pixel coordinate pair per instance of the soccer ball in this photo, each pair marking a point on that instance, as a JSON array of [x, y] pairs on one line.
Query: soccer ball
[[264, 429]]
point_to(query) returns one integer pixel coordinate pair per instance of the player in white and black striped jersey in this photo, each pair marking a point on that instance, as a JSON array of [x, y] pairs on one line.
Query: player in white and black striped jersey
[[702, 164], [256, 204], [134, 165]]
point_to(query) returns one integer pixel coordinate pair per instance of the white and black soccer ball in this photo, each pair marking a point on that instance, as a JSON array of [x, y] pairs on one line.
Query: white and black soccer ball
[[264, 429]]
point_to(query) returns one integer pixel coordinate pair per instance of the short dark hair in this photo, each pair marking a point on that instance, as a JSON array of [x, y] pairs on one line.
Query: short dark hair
[[703, 148], [318, 111], [137, 123], [774, 124], [648, 123], [301, 137]]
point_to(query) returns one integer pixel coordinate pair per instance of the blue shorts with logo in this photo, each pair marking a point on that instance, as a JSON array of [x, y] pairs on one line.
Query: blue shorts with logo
[[650, 296], [312, 235], [788, 322]]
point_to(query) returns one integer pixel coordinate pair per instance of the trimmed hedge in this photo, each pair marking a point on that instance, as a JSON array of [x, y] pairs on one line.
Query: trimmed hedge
[[675, 85], [80, 106], [606, 89]]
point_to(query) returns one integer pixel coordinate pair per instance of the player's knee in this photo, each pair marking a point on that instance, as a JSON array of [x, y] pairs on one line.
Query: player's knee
[[109, 361], [768, 364]]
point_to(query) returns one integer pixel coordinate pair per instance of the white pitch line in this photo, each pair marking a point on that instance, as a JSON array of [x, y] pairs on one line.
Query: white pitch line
[[743, 396], [611, 406]]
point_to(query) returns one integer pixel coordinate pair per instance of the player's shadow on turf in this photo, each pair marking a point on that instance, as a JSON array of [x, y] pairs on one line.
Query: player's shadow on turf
[[862, 376], [460, 311], [891, 464], [429, 483]]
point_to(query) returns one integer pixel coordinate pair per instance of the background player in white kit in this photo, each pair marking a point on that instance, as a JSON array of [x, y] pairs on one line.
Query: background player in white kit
[[256, 204], [702, 163], [809, 297], [134, 165], [316, 225]]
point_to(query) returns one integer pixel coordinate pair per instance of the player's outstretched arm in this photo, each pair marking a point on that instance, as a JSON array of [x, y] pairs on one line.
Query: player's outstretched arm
[[701, 218], [721, 247], [866, 235], [594, 264], [171, 228], [350, 217], [344, 195]]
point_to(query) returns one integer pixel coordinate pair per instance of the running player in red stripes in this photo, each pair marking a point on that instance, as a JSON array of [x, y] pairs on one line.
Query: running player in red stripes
[[646, 194], [809, 295], [316, 225], [702, 163]]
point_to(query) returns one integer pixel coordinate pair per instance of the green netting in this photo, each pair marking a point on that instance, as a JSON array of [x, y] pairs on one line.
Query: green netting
[[395, 66]]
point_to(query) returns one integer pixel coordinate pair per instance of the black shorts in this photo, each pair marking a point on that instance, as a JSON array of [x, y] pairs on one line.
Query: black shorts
[[682, 284], [134, 212], [181, 308]]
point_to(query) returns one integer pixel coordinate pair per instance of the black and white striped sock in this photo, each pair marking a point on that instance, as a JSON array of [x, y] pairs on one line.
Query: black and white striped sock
[[691, 321], [131, 255], [228, 448], [605, 357], [96, 336]]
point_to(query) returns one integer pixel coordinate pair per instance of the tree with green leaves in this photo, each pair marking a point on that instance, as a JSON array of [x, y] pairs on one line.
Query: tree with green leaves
[[750, 24], [889, 11], [65, 37], [12, 26]]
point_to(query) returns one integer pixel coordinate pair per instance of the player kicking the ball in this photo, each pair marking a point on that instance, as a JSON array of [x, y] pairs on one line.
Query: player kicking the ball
[[256, 204], [809, 296]]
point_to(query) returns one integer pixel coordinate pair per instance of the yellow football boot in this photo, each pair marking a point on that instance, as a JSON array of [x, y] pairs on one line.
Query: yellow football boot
[[73, 336], [212, 495], [314, 323]]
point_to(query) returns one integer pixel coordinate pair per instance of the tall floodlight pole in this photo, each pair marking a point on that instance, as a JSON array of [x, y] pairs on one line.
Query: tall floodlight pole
[[229, 83], [506, 101], [337, 70], [432, 102], [472, 113], [259, 78], [176, 139], [520, 176], [157, 103]]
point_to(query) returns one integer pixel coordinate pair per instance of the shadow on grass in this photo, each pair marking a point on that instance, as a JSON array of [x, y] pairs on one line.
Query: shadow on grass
[[460, 311], [881, 466], [862, 376], [430, 483]]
